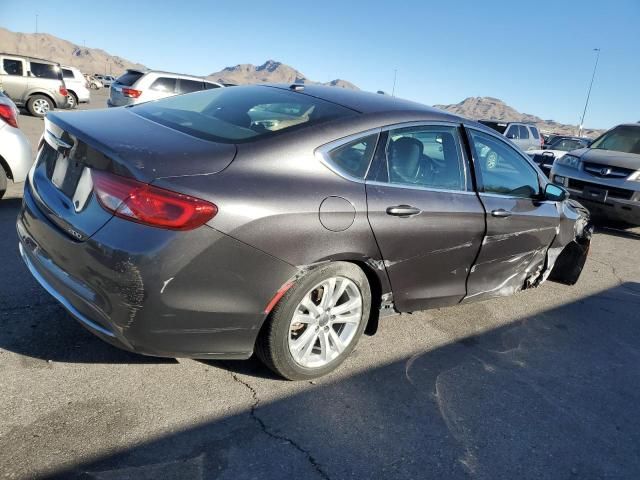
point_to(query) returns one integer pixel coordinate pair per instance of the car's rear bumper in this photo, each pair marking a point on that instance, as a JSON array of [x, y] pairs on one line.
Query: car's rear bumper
[[197, 294], [15, 149], [613, 201]]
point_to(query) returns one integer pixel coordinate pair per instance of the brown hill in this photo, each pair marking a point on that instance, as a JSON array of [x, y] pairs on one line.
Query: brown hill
[[270, 72], [489, 108], [43, 45]]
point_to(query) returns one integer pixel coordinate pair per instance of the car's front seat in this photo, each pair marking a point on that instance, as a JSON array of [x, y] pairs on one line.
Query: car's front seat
[[405, 165]]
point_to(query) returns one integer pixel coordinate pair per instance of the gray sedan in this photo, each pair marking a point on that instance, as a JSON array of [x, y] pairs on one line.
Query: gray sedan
[[284, 220]]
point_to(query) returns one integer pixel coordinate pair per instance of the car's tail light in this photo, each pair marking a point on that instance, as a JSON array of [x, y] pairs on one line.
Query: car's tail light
[[63, 91], [131, 93], [154, 206], [8, 114]]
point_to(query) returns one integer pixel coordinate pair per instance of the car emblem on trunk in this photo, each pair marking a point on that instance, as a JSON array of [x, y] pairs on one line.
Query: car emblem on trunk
[[605, 171]]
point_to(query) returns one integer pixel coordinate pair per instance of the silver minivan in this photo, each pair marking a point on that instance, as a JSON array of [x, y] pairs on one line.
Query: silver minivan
[[33, 83], [137, 86]]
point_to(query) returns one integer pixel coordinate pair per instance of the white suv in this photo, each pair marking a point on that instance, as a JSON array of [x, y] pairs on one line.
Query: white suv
[[524, 135], [135, 86], [76, 86]]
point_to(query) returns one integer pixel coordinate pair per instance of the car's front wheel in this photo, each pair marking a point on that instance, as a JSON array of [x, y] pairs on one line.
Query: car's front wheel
[[317, 323]]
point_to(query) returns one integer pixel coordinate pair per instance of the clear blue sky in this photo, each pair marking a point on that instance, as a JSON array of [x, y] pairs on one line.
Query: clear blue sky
[[535, 55]]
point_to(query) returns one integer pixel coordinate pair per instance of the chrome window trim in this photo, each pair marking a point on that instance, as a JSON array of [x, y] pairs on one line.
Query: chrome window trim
[[323, 152], [418, 187]]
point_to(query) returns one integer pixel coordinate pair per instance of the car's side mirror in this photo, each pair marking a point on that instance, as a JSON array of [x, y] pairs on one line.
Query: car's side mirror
[[555, 193]]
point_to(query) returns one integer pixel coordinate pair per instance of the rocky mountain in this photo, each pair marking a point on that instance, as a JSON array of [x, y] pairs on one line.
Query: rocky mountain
[[489, 108], [43, 45], [270, 72]]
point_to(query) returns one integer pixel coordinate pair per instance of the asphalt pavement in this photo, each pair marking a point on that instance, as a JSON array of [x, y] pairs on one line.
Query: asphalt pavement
[[544, 384]]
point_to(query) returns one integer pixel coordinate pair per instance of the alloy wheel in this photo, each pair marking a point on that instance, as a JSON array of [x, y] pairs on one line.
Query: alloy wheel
[[41, 106], [325, 322]]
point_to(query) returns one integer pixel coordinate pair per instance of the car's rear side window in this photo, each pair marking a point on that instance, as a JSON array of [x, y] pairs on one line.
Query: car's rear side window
[[128, 78], [189, 86], [45, 70], [241, 114], [534, 132], [164, 84], [12, 67], [66, 73], [209, 86], [353, 158], [524, 132]]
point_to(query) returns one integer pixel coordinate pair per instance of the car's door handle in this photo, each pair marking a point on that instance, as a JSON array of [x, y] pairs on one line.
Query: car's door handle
[[403, 211], [501, 213]]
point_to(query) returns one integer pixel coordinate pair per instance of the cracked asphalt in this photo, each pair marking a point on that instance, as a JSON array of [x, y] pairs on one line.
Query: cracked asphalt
[[544, 384]]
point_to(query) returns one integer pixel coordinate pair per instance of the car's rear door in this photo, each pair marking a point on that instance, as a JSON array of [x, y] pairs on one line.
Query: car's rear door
[[520, 225], [426, 218]]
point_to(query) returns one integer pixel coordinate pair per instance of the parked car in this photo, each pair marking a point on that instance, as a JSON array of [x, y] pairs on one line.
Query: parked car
[[544, 158], [94, 83], [202, 226], [606, 175], [137, 86], [77, 86], [33, 83], [15, 149], [106, 80], [524, 135]]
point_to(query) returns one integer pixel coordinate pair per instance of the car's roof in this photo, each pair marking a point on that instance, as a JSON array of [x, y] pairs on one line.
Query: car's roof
[[173, 74], [365, 102], [28, 57]]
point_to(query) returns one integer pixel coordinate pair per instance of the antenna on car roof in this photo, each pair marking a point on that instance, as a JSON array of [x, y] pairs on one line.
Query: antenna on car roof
[[296, 87]]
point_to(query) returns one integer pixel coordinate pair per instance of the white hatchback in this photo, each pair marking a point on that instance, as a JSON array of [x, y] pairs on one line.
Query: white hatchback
[[77, 86]]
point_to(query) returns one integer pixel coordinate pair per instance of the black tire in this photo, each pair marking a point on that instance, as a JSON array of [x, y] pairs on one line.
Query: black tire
[[73, 100], [272, 345], [33, 102], [3, 182]]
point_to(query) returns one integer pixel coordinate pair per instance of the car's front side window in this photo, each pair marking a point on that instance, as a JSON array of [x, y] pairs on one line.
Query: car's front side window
[[513, 133], [425, 156], [502, 169]]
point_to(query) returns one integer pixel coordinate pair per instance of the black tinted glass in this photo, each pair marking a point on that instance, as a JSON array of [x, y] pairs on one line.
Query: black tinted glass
[[534, 131], [240, 114], [188, 86], [45, 70], [354, 157], [66, 73], [502, 169], [210, 86], [128, 78], [12, 67], [524, 132], [164, 84]]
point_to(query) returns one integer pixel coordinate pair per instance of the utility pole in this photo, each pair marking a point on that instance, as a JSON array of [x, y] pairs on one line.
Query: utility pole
[[395, 76], [37, 34], [586, 104]]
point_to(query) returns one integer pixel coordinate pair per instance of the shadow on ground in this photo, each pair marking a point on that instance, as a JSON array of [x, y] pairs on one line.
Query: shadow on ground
[[553, 395]]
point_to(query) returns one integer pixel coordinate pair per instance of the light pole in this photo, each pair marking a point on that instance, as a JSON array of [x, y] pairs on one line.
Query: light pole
[[395, 75], [586, 104], [36, 34]]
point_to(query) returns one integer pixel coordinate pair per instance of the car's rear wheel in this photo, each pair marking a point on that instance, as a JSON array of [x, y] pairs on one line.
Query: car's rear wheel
[[317, 323], [3, 182], [72, 100], [39, 105]]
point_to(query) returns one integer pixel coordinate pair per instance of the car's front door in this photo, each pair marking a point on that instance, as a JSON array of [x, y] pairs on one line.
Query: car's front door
[[426, 218], [520, 225]]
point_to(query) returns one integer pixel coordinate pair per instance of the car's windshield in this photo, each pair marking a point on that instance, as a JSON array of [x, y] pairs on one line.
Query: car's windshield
[[566, 145], [625, 138], [240, 114]]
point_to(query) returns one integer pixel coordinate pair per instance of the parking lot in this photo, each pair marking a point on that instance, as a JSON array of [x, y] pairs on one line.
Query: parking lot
[[544, 384]]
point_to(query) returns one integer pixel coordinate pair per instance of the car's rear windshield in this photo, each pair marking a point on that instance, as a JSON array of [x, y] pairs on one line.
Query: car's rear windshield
[[499, 127], [625, 138], [240, 114], [129, 78]]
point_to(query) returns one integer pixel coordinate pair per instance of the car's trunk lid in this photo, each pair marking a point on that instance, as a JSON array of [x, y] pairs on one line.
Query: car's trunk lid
[[116, 141]]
